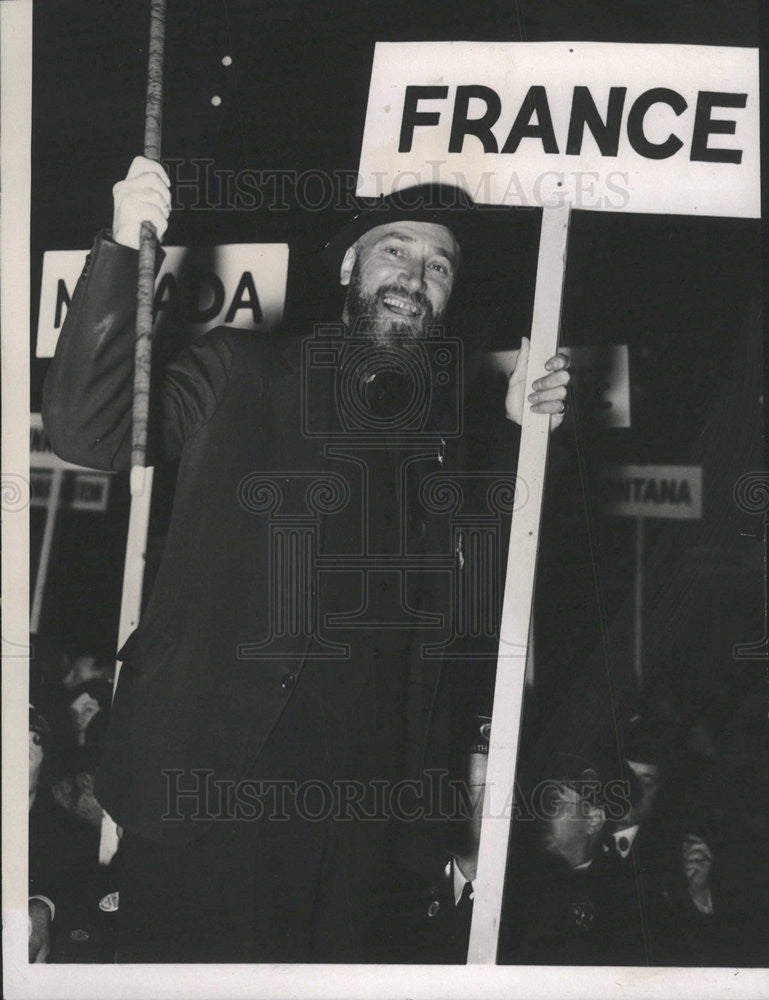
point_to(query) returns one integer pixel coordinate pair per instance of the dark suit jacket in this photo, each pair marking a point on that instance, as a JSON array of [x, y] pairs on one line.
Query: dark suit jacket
[[210, 669], [560, 916]]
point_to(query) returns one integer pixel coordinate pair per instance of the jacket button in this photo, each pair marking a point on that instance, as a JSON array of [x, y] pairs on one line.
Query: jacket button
[[432, 909], [287, 681]]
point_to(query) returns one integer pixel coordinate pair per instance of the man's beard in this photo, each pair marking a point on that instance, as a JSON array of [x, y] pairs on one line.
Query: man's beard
[[368, 316]]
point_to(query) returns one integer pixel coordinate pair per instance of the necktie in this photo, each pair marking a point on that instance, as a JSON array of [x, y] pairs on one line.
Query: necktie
[[464, 915], [466, 899]]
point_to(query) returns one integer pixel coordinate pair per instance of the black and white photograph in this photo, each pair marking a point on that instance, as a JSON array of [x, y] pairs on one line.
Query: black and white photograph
[[384, 499]]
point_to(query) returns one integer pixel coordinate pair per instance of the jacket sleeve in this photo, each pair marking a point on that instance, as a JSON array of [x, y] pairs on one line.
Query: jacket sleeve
[[88, 391]]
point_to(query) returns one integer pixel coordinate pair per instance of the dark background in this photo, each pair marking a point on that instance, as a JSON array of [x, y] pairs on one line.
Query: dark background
[[684, 293]]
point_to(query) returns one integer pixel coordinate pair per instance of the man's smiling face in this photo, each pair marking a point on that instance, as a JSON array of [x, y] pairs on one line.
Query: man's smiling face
[[399, 277]]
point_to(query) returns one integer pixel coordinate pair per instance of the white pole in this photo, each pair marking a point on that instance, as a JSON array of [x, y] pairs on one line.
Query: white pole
[[516, 608], [44, 561], [130, 608], [638, 601]]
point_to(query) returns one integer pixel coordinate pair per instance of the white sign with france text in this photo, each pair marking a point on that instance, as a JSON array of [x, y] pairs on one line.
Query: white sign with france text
[[617, 127]]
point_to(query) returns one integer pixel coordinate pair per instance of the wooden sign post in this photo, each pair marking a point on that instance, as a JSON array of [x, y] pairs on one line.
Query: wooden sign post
[[518, 600]]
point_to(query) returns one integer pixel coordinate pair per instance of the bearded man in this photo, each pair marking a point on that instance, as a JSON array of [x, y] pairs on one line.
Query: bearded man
[[267, 738]]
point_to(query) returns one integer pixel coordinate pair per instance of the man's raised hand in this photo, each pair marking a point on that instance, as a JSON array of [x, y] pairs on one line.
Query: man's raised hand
[[144, 196], [549, 391]]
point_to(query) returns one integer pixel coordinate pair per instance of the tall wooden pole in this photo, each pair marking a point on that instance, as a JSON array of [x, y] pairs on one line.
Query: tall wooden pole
[[141, 477], [517, 603]]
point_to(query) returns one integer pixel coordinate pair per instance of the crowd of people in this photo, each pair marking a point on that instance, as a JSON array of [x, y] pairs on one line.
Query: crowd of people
[[70, 902], [642, 846], [644, 853]]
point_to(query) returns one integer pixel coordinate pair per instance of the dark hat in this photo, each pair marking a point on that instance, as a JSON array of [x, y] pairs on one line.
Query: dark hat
[[597, 780], [577, 773], [479, 734], [441, 204]]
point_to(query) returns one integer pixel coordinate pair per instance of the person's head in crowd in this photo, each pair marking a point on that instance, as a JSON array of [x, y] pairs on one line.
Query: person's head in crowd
[[646, 745], [40, 750], [82, 666], [575, 799]]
